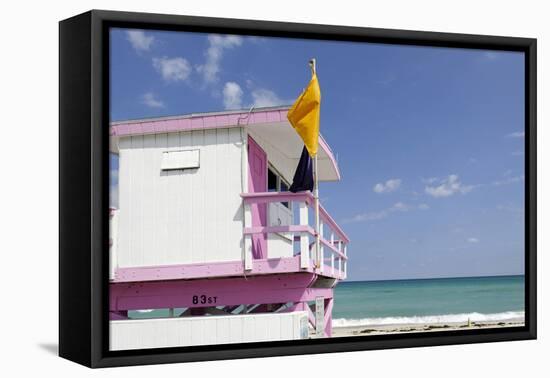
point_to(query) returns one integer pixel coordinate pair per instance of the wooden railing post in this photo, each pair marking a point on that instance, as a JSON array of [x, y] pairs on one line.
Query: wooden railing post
[[321, 257], [304, 236], [346, 261], [247, 242], [340, 258], [332, 253]]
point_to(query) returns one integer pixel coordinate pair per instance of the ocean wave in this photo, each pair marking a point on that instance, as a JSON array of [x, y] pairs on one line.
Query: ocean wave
[[429, 319]]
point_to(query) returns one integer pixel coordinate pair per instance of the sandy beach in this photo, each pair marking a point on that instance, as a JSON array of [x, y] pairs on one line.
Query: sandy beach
[[367, 330]]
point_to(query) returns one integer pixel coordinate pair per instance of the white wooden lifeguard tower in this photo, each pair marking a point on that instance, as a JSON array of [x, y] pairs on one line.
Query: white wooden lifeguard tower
[[205, 222]]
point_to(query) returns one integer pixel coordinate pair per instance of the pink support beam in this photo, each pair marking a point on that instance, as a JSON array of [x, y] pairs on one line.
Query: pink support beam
[[222, 292]]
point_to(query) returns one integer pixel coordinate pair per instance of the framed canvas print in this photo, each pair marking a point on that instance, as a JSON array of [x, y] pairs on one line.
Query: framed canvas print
[[235, 188]]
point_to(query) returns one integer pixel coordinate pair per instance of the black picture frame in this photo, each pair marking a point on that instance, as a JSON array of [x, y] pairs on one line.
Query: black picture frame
[[84, 193]]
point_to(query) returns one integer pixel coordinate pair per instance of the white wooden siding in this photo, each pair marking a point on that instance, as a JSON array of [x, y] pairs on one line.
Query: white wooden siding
[[206, 330], [180, 216]]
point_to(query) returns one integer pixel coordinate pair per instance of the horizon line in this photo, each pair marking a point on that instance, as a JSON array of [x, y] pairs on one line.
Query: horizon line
[[434, 278]]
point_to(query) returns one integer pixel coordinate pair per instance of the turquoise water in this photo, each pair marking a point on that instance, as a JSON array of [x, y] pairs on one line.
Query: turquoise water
[[429, 300]]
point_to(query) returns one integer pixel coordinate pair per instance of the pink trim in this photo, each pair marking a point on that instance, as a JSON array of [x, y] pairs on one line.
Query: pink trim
[[227, 292], [217, 269], [203, 121]]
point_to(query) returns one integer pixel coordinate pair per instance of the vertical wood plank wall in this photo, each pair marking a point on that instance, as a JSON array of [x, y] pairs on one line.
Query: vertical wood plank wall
[[180, 216], [204, 330]]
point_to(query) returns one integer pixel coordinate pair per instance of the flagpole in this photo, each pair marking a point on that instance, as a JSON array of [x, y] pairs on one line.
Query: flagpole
[[316, 195]]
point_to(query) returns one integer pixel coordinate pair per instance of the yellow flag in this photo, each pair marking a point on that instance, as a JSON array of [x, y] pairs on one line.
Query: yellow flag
[[304, 115]]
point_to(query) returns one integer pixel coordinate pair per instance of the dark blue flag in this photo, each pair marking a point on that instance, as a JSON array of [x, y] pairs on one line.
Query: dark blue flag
[[303, 177]]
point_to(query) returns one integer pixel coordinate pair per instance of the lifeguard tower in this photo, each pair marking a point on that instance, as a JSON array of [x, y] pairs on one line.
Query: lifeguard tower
[[206, 225]]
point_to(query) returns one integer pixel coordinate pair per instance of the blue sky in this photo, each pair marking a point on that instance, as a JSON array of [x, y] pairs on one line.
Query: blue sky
[[430, 141]]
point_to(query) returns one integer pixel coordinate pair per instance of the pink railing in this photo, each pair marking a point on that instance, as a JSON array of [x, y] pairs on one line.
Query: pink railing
[[332, 238]]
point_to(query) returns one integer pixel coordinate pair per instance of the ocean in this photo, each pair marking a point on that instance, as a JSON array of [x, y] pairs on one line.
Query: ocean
[[438, 300]]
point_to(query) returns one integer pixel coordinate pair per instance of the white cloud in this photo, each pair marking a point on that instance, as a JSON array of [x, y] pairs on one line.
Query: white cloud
[[265, 98], [430, 180], [172, 69], [381, 214], [509, 180], [399, 206], [472, 240], [387, 187], [447, 187], [151, 100], [517, 134], [139, 40], [232, 95], [423, 206], [217, 44], [262, 97], [490, 55]]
